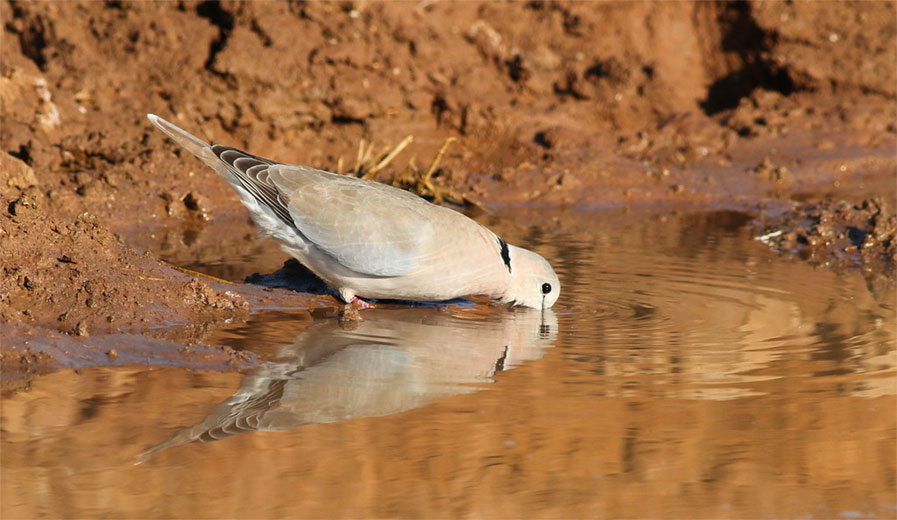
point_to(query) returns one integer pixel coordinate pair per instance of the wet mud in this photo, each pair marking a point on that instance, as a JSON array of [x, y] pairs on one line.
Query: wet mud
[[740, 106], [838, 234]]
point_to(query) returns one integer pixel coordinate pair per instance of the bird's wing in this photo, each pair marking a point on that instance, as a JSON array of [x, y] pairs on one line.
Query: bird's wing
[[251, 172], [368, 227]]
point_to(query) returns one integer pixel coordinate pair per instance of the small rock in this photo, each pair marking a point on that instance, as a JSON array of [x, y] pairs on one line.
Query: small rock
[[170, 198], [198, 204], [17, 206], [769, 171], [111, 354], [81, 329], [18, 174], [548, 138], [349, 317]]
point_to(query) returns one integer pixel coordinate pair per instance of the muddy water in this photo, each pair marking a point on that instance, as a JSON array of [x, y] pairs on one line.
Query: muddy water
[[685, 372]]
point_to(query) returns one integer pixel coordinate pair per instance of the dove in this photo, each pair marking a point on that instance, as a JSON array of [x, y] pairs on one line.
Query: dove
[[369, 240]]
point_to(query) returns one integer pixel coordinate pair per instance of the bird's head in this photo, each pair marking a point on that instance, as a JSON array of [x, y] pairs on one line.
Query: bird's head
[[533, 281]]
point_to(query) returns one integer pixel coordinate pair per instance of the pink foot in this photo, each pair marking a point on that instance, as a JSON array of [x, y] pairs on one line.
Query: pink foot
[[362, 304]]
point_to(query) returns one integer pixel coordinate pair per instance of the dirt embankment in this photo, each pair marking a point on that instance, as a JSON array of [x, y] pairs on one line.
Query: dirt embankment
[[551, 102], [583, 104]]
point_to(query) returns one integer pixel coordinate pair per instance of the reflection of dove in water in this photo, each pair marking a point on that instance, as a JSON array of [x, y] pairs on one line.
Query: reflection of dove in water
[[371, 240], [396, 361]]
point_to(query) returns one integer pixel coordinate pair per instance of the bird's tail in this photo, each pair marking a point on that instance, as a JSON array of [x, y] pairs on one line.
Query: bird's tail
[[190, 142]]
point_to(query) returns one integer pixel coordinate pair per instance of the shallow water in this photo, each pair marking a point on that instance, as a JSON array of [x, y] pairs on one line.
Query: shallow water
[[686, 371]]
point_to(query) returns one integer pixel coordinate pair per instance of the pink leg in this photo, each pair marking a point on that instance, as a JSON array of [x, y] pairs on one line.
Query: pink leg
[[362, 304]]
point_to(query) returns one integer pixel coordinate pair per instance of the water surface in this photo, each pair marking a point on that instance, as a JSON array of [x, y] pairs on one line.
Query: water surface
[[686, 372]]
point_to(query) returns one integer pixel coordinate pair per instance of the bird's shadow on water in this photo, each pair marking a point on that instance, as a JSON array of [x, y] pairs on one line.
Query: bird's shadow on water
[[294, 276]]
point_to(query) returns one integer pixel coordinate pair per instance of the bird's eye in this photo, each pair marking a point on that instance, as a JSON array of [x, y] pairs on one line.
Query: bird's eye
[[546, 288]]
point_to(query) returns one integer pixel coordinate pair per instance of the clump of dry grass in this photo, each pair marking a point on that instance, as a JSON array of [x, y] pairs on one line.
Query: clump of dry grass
[[372, 160]]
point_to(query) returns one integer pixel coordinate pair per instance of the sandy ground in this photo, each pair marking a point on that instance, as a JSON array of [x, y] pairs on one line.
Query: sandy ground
[[746, 106]]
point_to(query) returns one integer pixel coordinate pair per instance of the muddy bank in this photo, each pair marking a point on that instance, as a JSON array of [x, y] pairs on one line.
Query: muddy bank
[[75, 276], [69, 286], [549, 104], [838, 235], [37, 351]]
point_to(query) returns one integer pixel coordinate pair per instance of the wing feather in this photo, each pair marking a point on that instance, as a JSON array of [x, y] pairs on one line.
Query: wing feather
[[368, 227], [252, 174]]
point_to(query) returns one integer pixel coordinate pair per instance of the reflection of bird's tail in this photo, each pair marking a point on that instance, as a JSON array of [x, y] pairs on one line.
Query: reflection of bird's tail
[[182, 437], [190, 142], [242, 412], [214, 428]]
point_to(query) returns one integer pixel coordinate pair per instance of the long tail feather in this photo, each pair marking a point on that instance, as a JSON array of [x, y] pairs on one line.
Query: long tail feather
[[190, 142], [245, 172]]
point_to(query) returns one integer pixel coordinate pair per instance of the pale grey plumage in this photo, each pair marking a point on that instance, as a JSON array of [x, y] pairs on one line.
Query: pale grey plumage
[[372, 240]]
